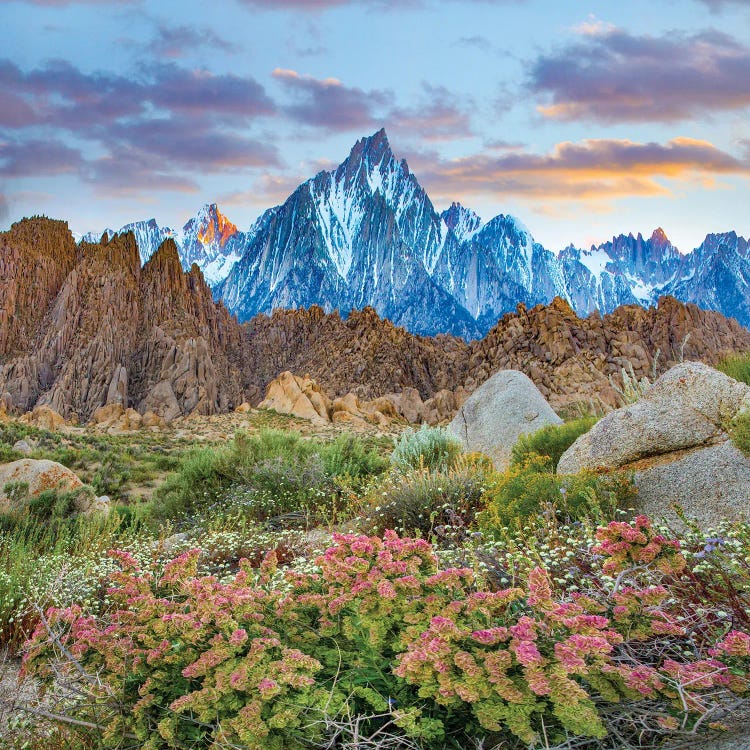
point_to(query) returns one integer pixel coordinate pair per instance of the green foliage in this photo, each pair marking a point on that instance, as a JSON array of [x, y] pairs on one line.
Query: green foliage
[[112, 464], [551, 441], [267, 475], [261, 660], [532, 488], [438, 505], [737, 366], [739, 431], [433, 448]]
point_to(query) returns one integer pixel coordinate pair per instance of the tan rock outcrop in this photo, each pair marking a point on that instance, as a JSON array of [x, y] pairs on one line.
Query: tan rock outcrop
[[299, 397], [45, 417], [304, 398]]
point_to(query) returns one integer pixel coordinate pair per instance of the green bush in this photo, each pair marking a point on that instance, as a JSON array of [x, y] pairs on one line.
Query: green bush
[[437, 505], [740, 432], [349, 456], [267, 475], [431, 448], [737, 366], [551, 441], [532, 488]]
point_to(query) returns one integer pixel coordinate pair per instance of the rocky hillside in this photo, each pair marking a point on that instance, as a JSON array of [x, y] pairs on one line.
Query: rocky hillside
[[570, 359], [82, 326]]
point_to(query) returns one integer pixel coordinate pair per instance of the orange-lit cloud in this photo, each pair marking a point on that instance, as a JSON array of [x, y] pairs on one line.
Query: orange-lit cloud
[[593, 170]]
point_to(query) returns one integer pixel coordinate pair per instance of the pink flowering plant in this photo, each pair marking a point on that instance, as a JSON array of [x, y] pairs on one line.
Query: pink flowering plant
[[183, 660], [381, 631]]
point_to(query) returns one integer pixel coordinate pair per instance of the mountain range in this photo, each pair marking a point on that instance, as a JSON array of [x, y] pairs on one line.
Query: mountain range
[[367, 234], [86, 325]]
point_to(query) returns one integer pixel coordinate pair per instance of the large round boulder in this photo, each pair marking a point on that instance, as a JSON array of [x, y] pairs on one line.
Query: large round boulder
[[27, 478], [502, 409], [675, 441]]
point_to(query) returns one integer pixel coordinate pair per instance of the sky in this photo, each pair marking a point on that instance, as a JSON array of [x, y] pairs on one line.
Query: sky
[[583, 119]]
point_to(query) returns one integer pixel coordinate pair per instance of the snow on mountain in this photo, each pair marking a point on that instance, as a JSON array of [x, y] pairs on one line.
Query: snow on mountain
[[366, 233], [208, 239]]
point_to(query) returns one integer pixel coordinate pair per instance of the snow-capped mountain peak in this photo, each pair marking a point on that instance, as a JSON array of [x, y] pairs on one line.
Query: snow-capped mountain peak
[[463, 222], [367, 233]]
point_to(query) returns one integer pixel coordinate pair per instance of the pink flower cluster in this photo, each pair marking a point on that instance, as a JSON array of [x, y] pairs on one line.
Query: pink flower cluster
[[244, 663], [630, 545]]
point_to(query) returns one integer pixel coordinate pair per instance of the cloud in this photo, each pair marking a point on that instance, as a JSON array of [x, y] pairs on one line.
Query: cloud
[[615, 76], [592, 170], [177, 41], [593, 26], [124, 172], [718, 5], [59, 94], [31, 158], [152, 125], [328, 103], [477, 41], [193, 144], [4, 209], [438, 117], [198, 91]]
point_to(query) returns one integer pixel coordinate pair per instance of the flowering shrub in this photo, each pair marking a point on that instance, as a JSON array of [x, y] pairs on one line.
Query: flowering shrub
[[379, 627], [635, 545], [188, 659], [531, 488]]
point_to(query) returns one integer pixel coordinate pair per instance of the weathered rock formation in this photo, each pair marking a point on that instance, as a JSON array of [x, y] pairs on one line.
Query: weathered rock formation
[[96, 329], [675, 441], [570, 359], [502, 409], [85, 326], [304, 398]]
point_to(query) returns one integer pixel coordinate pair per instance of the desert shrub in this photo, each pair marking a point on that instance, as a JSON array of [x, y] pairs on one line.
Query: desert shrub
[[267, 475], [428, 447], [737, 366], [51, 504], [739, 431], [432, 504], [202, 475], [532, 488], [8, 454], [380, 628], [551, 441], [350, 456]]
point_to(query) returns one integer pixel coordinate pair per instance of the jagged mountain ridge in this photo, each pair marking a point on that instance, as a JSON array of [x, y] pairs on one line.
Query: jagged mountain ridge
[[208, 239], [83, 326], [85, 322], [367, 233]]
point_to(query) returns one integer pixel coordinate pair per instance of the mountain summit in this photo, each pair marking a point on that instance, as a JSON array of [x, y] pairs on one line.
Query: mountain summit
[[367, 234]]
